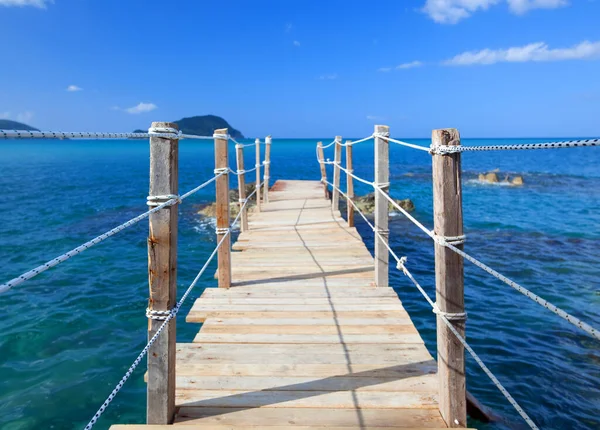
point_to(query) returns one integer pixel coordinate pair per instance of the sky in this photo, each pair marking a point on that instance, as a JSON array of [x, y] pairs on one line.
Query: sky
[[300, 68]]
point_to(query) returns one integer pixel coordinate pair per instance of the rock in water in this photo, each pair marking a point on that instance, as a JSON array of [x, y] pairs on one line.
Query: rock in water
[[366, 204], [491, 177], [210, 210], [517, 180]]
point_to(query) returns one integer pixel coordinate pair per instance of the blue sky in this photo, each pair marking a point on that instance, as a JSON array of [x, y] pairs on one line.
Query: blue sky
[[491, 68]]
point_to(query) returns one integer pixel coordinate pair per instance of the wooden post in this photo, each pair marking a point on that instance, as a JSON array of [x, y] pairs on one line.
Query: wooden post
[[382, 178], [267, 168], [222, 208], [449, 282], [349, 184], [335, 197], [239, 155], [257, 185], [323, 169], [162, 277]]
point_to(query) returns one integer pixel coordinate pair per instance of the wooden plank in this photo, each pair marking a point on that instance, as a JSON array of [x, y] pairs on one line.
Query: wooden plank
[[426, 383], [278, 338], [162, 276], [246, 427], [398, 418], [449, 282], [354, 399], [308, 329]]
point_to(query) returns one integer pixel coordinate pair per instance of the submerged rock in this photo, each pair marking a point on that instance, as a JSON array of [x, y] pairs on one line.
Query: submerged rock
[[492, 178], [210, 209], [366, 204]]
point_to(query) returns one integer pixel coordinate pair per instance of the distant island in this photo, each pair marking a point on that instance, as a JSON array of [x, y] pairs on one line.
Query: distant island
[[7, 124], [203, 125]]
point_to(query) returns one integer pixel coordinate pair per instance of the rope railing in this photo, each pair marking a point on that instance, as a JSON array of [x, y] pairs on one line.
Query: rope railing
[[168, 316], [401, 265], [172, 200], [447, 243], [442, 144]]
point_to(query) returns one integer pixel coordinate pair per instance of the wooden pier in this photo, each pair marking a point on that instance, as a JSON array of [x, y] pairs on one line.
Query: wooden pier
[[303, 338]]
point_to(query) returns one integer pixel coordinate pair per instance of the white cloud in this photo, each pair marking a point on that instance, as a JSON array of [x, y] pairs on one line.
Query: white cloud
[[25, 116], [384, 69], [523, 6], [410, 65], [4, 115], [296, 43], [72, 88], [375, 118], [42, 4], [141, 108], [329, 77], [289, 27], [452, 11], [520, 54]]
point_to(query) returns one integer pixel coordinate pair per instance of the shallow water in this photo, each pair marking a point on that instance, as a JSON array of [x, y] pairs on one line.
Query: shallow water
[[70, 334]]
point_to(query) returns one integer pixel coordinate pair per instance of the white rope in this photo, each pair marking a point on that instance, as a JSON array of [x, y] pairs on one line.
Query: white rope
[[240, 145], [157, 200], [24, 134], [445, 318], [64, 257], [327, 146], [352, 143], [137, 361], [221, 136], [157, 315], [161, 131], [452, 149], [400, 142], [561, 313], [194, 136]]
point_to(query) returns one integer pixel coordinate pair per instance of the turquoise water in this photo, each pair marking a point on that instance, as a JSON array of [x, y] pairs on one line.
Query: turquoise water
[[68, 335]]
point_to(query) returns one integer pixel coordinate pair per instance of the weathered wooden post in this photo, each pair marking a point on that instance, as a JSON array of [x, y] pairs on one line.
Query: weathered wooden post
[[449, 282], [162, 276], [257, 185], [335, 197], [382, 178], [222, 207], [239, 155], [267, 168], [349, 184], [323, 168]]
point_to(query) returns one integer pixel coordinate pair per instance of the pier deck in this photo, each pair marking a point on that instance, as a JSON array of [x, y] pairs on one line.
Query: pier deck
[[303, 339]]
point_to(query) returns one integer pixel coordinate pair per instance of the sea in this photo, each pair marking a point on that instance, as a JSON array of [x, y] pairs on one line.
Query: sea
[[68, 335]]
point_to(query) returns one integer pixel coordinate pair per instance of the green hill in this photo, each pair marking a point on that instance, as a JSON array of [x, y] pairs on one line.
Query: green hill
[[203, 125], [6, 124]]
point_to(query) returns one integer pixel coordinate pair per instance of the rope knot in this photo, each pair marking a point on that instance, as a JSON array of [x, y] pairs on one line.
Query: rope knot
[[401, 263], [221, 170], [159, 200], [449, 240], [458, 316], [221, 136], [157, 315], [168, 132], [223, 230]]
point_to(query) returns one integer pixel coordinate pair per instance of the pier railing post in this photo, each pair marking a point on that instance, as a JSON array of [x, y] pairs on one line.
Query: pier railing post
[[222, 208], [335, 197], [323, 169], [267, 168], [382, 180], [162, 276], [257, 185], [239, 155], [449, 282], [349, 184]]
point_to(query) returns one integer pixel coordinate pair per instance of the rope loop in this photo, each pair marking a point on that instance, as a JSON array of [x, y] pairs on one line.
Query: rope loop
[[450, 240], [220, 170], [157, 315], [153, 131], [223, 230], [401, 262], [221, 136], [382, 185], [159, 200], [265, 162], [240, 172], [458, 316], [242, 201]]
